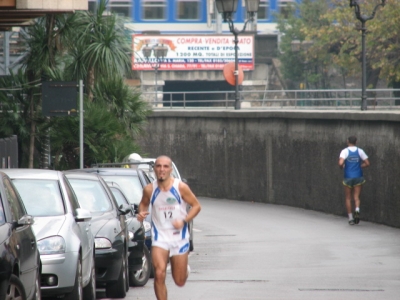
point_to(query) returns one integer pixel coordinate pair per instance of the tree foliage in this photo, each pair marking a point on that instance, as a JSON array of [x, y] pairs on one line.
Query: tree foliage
[[88, 46], [334, 29]]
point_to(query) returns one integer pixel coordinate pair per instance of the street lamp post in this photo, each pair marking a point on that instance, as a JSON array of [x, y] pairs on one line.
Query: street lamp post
[[160, 52], [227, 8], [363, 19]]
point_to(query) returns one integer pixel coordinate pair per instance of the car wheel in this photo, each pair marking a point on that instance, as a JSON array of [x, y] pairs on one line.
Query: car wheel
[[15, 289], [118, 289], [191, 247], [140, 277], [151, 270], [38, 293], [89, 291], [77, 292], [127, 272]]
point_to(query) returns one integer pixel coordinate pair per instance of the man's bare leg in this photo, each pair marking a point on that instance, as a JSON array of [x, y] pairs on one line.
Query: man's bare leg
[[179, 265], [160, 260], [348, 195], [356, 195]]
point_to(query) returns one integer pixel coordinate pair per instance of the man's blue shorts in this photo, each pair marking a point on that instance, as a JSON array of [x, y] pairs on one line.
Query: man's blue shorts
[[352, 182]]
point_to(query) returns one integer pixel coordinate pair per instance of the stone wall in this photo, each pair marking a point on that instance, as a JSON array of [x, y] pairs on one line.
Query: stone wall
[[281, 157]]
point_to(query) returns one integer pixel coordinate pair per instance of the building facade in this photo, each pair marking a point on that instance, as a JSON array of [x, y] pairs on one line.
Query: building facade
[[161, 20]]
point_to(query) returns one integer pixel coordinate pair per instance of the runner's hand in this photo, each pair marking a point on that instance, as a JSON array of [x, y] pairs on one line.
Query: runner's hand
[[142, 215], [178, 223]]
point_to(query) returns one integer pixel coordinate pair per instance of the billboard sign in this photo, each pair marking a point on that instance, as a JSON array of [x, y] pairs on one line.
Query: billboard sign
[[191, 52]]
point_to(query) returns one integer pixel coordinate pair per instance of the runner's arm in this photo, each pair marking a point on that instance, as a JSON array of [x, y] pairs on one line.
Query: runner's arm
[[365, 163], [190, 199], [143, 209]]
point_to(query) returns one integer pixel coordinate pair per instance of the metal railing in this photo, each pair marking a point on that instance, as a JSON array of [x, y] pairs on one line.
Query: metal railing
[[378, 99]]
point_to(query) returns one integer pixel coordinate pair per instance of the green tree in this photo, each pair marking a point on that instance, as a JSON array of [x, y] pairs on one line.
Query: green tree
[[333, 28], [16, 116], [85, 46], [99, 46], [111, 123]]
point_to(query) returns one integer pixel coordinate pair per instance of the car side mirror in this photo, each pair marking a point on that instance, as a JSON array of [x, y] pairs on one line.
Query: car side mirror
[[124, 209], [82, 215], [25, 220], [135, 209]]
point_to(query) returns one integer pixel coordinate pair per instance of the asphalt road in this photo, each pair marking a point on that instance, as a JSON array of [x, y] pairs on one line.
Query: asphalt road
[[261, 251]]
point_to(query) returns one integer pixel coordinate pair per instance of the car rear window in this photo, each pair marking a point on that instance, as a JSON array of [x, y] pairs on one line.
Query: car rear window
[[91, 195], [41, 197], [129, 184]]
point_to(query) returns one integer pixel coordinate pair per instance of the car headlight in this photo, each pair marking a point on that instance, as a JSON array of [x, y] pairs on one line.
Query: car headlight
[[131, 235], [102, 243], [51, 245], [147, 226]]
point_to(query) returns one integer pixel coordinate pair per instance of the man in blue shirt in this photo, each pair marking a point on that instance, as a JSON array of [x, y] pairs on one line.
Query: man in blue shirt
[[352, 159]]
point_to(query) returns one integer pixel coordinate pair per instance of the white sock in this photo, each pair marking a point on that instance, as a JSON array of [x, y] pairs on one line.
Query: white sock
[[350, 216], [357, 209]]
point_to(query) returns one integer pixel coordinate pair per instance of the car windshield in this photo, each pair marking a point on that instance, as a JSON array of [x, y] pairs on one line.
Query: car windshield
[[41, 197], [129, 184], [91, 195]]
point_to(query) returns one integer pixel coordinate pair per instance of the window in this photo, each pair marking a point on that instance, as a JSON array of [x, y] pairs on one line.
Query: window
[[188, 9], [154, 9], [121, 8], [2, 217], [92, 5], [263, 10], [129, 184], [71, 195], [41, 197], [17, 210], [285, 7], [91, 195]]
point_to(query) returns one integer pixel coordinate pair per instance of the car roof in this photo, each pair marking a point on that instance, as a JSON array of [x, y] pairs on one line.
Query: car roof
[[82, 175], [32, 173], [114, 171]]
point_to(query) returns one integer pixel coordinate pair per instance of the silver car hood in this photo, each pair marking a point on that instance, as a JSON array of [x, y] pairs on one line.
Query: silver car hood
[[47, 226]]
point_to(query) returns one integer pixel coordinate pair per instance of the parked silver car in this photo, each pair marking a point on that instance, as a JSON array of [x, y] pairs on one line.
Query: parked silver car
[[62, 230]]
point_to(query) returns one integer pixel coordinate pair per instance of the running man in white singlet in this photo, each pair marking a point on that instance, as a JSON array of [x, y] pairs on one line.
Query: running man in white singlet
[[168, 198]]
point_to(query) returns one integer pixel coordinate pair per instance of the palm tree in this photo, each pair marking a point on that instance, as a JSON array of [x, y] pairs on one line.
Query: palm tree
[[91, 47], [16, 117], [100, 47]]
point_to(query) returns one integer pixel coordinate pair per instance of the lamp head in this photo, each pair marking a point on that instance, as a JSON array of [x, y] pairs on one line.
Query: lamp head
[[160, 52], [252, 5], [146, 51], [227, 8]]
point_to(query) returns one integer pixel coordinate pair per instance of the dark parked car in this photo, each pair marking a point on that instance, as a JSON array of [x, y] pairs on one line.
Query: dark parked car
[[19, 256], [131, 182], [109, 229], [139, 255]]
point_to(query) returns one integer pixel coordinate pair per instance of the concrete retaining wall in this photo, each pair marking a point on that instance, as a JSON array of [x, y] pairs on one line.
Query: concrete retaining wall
[[282, 157]]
